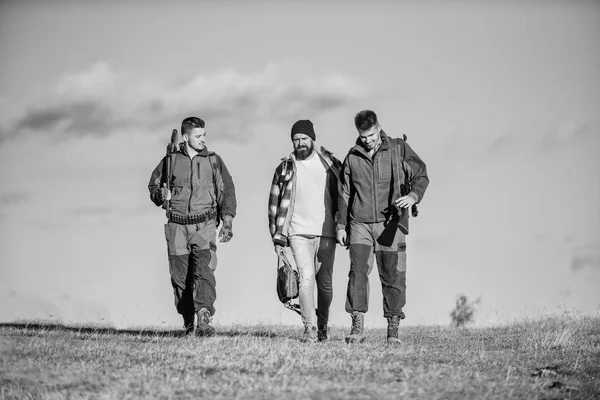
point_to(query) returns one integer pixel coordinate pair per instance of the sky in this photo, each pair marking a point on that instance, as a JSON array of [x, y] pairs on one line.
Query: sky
[[501, 99]]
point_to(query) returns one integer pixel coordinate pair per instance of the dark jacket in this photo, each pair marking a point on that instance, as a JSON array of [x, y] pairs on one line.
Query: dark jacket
[[368, 190], [192, 184]]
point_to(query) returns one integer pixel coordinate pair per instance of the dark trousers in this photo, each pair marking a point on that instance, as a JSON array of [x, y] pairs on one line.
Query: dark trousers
[[387, 245], [192, 262]]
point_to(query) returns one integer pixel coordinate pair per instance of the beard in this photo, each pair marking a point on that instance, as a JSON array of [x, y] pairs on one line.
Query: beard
[[303, 152]]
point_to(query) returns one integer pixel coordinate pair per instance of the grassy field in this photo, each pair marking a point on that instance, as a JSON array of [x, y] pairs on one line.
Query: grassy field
[[552, 358]]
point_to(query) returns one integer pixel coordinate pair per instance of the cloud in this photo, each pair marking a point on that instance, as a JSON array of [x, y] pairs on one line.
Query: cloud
[[586, 257], [92, 211], [47, 225], [79, 118], [101, 101], [564, 294], [561, 135], [10, 198], [140, 209], [565, 133]]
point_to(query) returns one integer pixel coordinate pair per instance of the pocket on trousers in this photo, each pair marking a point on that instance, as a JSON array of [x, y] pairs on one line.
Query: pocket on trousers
[[212, 264]]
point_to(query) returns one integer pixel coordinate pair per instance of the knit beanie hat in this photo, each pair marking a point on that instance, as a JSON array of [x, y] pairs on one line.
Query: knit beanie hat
[[304, 126]]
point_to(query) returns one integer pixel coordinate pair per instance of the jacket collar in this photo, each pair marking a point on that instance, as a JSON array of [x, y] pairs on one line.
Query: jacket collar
[[385, 144], [325, 155], [183, 150], [321, 152]]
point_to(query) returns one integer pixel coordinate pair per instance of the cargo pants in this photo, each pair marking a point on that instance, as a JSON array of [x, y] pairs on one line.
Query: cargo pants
[[387, 245], [192, 251]]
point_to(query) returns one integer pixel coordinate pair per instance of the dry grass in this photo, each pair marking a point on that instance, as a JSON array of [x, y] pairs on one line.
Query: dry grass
[[553, 358]]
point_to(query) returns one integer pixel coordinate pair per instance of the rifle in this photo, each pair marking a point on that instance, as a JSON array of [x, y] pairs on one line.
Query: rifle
[[171, 149]]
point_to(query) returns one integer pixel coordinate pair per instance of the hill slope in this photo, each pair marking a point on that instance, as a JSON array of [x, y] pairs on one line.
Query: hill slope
[[550, 358]]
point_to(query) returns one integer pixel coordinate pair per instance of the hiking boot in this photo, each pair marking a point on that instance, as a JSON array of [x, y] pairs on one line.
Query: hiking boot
[[322, 333], [356, 331], [204, 319], [188, 324], [310, 334], [392, 329]]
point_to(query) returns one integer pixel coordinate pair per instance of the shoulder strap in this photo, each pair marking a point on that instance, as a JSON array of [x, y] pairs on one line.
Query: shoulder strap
[[397, 159]]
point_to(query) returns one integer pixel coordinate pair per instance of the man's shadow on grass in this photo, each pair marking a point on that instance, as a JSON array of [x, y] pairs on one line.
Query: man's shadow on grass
[[258, 331]]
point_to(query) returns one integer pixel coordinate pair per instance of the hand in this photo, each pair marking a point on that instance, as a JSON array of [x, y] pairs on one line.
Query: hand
[[342, 238], [165, 194], [226, 232], [279, 249], [405, 202]]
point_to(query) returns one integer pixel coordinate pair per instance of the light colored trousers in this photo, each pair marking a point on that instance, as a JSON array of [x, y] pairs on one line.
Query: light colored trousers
[[314, 256]]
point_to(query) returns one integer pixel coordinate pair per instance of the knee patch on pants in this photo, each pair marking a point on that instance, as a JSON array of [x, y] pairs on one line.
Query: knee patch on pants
[[360, 257]]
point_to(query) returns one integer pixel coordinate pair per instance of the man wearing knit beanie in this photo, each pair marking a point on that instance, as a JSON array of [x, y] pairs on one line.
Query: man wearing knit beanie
[[304, 126], [302, 206]]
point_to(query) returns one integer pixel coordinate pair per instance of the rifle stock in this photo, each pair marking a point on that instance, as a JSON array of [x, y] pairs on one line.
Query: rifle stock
[[171, 148]]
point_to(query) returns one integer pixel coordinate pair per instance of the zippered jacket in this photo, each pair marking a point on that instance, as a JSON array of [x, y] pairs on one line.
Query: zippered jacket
[[197, 184], [368, 188], [283, 192]]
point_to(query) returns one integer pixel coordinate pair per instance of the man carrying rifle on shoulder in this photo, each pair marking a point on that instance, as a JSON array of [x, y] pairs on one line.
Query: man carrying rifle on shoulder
[[196, 189]]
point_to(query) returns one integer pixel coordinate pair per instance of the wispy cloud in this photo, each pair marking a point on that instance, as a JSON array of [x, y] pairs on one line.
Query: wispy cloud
[[114, 210], [101, 101], [10, 198], [586, 257], [92, 211], [48, 225], [561, 135], [565, 133]]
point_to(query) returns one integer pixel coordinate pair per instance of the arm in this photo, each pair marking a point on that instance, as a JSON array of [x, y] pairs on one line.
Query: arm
[[416, 173], [157, 179], [227, 202], [273, 205], [341, 217], [279, 205], [337, 190]]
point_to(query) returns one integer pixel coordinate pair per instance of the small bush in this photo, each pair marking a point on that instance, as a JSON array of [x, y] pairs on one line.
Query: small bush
[[464, 311]]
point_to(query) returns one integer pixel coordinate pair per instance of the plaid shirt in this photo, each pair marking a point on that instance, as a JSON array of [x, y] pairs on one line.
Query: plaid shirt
[[283, 193]]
